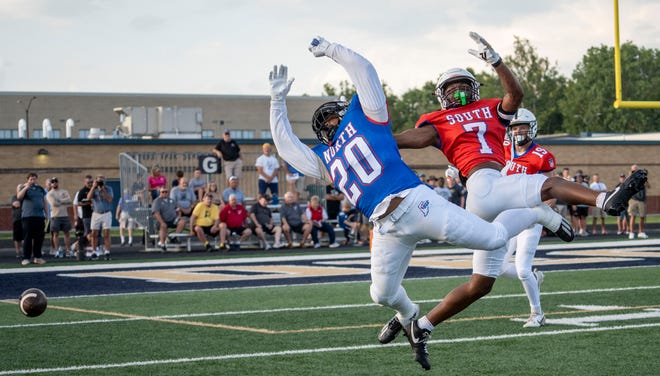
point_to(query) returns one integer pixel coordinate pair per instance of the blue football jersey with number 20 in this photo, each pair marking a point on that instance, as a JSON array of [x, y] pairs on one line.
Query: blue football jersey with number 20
[[364, 160]]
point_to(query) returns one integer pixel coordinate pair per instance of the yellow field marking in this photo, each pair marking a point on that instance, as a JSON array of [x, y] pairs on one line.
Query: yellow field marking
[[157, 319]]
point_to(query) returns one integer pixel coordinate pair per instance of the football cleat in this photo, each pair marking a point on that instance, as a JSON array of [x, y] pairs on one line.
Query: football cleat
[[535, 321], [418, 337], [390, 330], [616, 200], [554, 222]]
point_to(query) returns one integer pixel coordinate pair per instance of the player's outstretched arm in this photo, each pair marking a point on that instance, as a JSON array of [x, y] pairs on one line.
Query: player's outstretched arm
[[514, 91], [289, 146], [361, 72]]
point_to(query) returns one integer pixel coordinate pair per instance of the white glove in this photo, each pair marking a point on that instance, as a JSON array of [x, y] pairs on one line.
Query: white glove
[[279, 86], [319, 46], [485, 52]]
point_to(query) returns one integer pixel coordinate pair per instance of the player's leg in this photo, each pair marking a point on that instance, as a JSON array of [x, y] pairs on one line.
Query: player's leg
[[527, 243], [508, 267]]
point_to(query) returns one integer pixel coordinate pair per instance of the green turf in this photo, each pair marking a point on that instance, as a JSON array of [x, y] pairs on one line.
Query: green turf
[[203, 332]]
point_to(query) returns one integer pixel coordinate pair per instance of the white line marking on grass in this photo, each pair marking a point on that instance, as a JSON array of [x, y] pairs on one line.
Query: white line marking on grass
[[314, 351]]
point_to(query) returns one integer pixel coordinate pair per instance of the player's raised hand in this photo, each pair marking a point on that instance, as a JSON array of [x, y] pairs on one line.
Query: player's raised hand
[[485, 52], [279, 86], [319, 46]]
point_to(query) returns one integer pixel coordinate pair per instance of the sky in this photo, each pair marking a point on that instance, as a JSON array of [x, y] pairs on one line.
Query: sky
[[229, 47]]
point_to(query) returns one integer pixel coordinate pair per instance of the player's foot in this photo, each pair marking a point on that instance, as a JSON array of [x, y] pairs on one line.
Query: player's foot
[[616, 200], [535, 321], [390, 330], [418, 338], [642, 235], [554, 222]]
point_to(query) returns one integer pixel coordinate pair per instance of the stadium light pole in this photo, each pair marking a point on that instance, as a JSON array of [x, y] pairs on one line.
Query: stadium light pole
[[27, 114]]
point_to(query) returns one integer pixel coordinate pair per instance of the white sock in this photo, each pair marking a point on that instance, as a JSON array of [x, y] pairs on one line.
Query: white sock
[[600, 200], [130, 240], [424, 323]]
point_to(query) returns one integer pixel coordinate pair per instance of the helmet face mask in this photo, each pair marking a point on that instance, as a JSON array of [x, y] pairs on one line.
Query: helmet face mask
[[457, 87], [326, 120], [522, 117]]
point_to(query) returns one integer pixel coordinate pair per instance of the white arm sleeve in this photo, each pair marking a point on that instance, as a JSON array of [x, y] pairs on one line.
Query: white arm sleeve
[[366, 81], [289, 146]]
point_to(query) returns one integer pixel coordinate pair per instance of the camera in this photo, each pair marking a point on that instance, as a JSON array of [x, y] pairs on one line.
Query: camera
[[99, 183]]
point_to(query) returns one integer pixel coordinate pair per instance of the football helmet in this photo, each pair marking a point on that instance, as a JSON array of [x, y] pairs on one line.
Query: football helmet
[[328, 111], [522, 116], [460, 95]]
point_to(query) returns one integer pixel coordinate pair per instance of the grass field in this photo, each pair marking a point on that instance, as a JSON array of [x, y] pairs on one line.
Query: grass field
[[611, 326]]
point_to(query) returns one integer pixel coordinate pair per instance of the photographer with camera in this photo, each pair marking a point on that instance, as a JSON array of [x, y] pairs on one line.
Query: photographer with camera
[[101, 197]]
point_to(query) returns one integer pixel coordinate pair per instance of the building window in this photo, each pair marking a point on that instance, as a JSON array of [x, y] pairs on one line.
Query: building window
[[245, 134], [84, 133], [207, 134], [56, 133], [8, 133], [265, 134]]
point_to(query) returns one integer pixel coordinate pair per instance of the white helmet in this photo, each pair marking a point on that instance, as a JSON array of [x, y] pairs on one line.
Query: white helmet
[[523, 116], [457, 97]]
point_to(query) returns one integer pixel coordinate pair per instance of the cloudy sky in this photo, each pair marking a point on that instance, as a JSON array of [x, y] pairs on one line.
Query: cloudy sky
[[228, 47]]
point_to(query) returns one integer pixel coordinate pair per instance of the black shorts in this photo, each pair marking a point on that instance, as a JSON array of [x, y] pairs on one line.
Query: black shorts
[[17, 231], [297, 228], [581, 211], [236, 230], [269, 231], [207, 230]]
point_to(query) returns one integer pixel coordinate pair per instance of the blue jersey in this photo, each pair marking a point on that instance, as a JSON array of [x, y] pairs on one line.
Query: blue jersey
[[364, 160]]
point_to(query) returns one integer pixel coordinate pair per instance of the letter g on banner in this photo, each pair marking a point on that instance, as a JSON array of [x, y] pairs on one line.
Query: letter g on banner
[[209, 164]]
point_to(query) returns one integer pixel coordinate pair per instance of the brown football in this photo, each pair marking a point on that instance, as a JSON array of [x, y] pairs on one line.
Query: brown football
[[32, 302]]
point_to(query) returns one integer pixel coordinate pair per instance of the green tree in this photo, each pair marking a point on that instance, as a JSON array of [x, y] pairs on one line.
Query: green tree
[[588, 104], [543, 85]]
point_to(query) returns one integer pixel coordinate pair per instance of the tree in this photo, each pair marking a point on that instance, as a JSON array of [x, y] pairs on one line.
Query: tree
[[543, 85], [590, 94]]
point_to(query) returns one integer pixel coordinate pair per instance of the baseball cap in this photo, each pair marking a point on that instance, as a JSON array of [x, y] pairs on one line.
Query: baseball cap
[[265, 144], [421, 175], [54, 180], [622, 175], [233, 178], [227, 131]]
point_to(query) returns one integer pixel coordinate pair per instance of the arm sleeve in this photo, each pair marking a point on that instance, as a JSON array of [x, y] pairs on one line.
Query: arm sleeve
[[289, 146], [366, 81]]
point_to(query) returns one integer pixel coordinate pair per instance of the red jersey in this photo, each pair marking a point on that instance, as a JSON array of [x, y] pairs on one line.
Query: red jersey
[[234, 218], [470, 135], [535, 160]]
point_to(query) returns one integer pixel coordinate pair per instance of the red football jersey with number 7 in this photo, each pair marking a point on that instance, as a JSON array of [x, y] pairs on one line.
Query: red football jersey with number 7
[[471, 134]]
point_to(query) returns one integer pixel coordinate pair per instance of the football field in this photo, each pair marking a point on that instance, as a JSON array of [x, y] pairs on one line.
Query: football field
[[312, 314]]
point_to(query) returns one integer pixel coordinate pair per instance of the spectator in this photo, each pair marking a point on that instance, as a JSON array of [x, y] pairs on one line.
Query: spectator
[[268, 168], [456, 189], [198, 184], [125, 209], [177, 178], [317, 215], [156, 180], [33, 205], [205, 220], [233, 219], [184, 198], [441, 189], [350, 220], [83, 210], [230, 152], [295, 180], [233, 190], [212, 189], [596, 212], [637, 208], [262, 218], [623, 220], [333, 199], [17, 225], [59, 200], [166, 213], [581, 211], [293, 218], [101, 197], [140, 192]]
